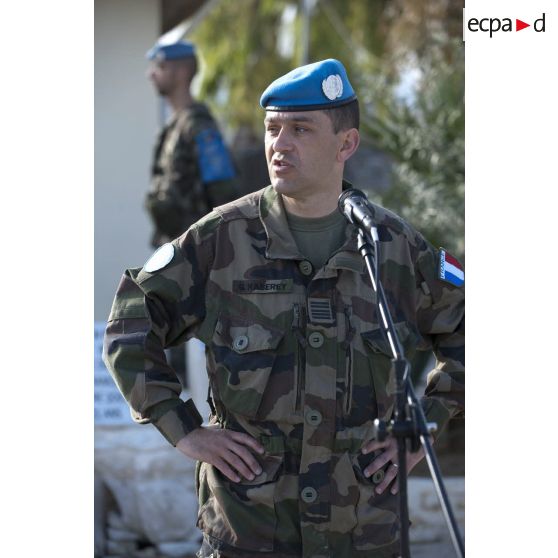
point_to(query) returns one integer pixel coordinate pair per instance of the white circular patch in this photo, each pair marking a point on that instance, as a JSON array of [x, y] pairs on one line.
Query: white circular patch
[[160, 258], [332, 87]]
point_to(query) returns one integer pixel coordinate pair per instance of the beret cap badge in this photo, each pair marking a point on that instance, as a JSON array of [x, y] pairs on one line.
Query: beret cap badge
[[332, 87]]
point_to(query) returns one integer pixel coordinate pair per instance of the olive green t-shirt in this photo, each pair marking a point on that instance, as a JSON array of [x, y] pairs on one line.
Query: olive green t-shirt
[[318, 238]]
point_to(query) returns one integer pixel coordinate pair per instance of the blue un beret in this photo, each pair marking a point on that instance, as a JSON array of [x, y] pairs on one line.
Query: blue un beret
[[315, 86], [174, 51]]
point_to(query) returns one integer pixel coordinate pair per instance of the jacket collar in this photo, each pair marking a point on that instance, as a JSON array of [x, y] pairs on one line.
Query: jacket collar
[[280, 241]]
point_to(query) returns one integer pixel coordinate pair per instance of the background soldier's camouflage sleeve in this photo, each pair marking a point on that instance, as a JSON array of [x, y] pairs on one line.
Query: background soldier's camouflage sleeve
[[215, 167], [441, 321], [182, 191], [152, 311]]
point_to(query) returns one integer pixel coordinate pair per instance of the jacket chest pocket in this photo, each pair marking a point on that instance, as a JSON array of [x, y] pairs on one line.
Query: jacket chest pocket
[[245, 354], [380, 357]]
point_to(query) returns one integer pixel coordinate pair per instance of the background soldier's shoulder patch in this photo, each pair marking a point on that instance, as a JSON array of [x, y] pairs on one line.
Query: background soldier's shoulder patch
[[160, 258], [450, 270], [214, 159]]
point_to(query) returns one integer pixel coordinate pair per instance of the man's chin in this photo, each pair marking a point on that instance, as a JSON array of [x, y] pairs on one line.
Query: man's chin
[[283, 186]]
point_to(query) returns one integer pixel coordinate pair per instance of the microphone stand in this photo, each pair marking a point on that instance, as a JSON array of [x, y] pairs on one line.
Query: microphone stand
[[408, 425]]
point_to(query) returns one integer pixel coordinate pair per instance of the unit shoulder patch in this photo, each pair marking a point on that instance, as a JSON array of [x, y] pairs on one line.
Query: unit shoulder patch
[[214, 159], [160, 258]]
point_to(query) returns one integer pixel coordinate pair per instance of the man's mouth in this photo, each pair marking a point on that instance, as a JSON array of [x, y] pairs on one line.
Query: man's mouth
[[281, 163]]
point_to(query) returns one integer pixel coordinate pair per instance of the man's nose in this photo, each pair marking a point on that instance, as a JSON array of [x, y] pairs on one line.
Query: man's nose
[[282, 141]]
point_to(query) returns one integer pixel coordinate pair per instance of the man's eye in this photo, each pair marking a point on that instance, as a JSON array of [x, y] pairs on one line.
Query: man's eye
[[300, 129], [272, 130]]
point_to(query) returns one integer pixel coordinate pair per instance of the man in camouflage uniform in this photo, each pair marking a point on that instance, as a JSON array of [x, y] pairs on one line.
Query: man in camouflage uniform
[[192, 171], [298, 366]]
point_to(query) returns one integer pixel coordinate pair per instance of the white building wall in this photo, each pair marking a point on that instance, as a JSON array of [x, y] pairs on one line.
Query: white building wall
[[126, 121]]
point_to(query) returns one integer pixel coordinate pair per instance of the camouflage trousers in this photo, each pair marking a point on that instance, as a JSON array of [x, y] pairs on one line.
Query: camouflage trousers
[[208, 550]]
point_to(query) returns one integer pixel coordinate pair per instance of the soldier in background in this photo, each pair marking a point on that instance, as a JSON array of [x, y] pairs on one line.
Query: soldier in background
[[274, 285], [192, 170]]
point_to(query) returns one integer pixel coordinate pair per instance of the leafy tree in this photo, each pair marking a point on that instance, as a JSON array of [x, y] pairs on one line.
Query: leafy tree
[[424, 133], [240, 43]]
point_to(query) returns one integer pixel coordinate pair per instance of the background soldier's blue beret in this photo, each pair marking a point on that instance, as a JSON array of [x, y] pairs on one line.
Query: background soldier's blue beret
[[315, 86], [174, 51]]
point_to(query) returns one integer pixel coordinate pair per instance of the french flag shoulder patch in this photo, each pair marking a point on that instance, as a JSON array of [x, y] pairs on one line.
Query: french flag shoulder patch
[[450, 270]]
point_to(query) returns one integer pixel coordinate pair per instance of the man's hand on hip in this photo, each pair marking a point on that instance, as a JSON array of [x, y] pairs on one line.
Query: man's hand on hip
[[389, 454], [227, 450]]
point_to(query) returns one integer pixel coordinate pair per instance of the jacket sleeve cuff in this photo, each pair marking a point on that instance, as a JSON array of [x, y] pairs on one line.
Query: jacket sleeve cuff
[[179, 421], [436, 411]]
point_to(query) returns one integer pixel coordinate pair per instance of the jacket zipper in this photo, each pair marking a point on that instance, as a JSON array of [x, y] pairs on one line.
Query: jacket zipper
[[301, 354], [348, 346]]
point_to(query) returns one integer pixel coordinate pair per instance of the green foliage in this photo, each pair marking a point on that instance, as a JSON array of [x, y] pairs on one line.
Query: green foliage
[[238, 41], [425, 136], [239, 45]]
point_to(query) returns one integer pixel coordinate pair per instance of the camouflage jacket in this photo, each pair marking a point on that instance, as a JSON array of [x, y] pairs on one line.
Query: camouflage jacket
[[192, 172], [295, 358]]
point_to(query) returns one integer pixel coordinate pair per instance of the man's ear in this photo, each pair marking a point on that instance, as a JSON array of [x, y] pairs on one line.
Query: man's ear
[[351, 141]]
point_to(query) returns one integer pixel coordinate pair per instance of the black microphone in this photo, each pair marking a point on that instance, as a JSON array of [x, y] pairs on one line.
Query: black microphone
[[354, 205]]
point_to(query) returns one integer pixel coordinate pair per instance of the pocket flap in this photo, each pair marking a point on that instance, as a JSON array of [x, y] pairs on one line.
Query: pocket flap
[[243, 337], [271, 466], [378, 341]]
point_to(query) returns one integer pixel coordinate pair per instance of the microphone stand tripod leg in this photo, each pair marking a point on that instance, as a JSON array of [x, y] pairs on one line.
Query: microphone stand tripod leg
[[436, 475]]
